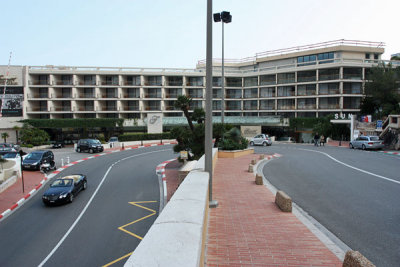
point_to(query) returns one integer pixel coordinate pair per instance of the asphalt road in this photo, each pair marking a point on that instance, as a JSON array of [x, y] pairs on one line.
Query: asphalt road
[[124, 196], [361, 209]]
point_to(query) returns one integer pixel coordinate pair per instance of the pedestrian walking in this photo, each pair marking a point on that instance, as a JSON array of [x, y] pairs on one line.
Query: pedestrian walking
[[322, 142], [316, 139]]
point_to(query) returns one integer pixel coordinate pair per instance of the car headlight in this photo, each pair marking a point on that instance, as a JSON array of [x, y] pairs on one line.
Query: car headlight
[[35, 163], [63, 195], [45, 197]]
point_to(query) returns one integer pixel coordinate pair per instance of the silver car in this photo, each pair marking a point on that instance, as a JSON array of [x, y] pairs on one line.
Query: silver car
[[367, 142], [261, 139]]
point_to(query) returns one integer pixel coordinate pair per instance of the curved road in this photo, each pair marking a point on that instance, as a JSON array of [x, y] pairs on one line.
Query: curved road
[[360, 208], [124, 196]]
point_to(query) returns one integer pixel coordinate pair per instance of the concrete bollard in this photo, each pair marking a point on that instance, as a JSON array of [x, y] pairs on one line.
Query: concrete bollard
[[62, 162], [283, 201], [251, 168], [262, 156], [253, 161], [259, 180], [356, 259], [67, 160], [122, 146]]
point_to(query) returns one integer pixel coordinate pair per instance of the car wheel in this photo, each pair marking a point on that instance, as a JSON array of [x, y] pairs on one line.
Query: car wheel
[[78, 150], [351, 146], [71, 198], [252, 143], [91, 151], [265, 144], [84, 185], [363, 147]]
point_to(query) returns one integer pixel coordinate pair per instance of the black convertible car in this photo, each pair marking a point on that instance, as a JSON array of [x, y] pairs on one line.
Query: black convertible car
[[64, 189]]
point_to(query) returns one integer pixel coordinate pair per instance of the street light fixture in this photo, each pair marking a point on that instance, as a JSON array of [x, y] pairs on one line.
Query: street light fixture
[[224, 17]]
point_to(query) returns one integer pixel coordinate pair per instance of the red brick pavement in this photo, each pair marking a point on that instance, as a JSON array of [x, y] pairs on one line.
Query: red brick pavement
[[247, 229]]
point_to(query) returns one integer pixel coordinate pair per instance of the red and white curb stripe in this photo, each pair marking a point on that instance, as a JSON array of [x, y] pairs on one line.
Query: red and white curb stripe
[[390, 152], [160, 170], [54, 173]]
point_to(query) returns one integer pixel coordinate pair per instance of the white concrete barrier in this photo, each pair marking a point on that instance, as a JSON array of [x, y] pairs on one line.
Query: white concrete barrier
[[177, 236]]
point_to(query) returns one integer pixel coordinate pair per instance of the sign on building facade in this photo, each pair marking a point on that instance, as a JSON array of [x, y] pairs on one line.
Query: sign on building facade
[[250, 131], [155, 123]]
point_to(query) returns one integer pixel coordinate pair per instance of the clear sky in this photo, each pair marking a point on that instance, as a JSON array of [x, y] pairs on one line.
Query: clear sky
[[172, 33]]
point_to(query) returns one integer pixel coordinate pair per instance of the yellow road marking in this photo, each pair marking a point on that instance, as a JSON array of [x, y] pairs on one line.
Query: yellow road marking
[[153, 212]]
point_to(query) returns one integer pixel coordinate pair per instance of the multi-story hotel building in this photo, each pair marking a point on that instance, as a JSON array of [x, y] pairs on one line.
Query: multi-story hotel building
[[306, 81]]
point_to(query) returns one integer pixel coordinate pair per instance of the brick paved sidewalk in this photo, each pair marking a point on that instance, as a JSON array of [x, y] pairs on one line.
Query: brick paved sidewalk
[[247, 229]]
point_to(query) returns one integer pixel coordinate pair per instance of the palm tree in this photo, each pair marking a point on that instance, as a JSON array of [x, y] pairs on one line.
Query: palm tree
[[4, 136], [16, 128], [183, 103]]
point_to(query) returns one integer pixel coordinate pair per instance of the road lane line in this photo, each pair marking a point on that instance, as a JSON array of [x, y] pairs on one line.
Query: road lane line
[[355, 168], [89, 202]]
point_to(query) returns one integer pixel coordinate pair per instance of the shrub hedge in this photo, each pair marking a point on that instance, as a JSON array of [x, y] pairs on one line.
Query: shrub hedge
[[142, 136]]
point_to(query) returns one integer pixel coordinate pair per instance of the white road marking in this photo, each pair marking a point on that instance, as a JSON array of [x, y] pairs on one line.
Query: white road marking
[[355, 168], [90, 201]]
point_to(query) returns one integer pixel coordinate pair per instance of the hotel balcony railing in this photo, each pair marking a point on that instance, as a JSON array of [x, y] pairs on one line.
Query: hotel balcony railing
[[351, 106], [286, 107], [113, 83], [313, 106], [352, 76], [250, 107], [85, 108], [152, 83], [328, 106], [326, 77], [250, 84], [218, 107], [262, 107], [107, 95], [127, 83], [69, 82], [38, 96], [290, 80], [233, 96], [86, 96], [195, 95], [306, 93], [61, 96], [352, 91], [286, 95], [131, 108], [233, 84], [217, 95], [171, 95], [267, 83], [87, 83], [306, 79], [233, 107], [37, 109], [217, 84], [152, 108], [107, 109], [39, 82], [330, 92], [131, 96], [170, 83], [266, 95], [60, 108], [250, 96], [152, 96], [194, 84]]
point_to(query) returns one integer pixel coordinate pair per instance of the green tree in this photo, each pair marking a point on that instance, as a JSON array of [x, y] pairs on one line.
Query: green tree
[[381, 92], [34, 136], [4, 136], [183, 103]]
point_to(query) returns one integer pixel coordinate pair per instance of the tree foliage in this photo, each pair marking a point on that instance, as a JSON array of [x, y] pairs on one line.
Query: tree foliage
[[4, 136], [33, 136], [382, 92]]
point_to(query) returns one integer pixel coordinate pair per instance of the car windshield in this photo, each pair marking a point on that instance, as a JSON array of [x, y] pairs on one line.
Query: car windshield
[[62, 183], [374, 138], [10, 155], [34, 156], [94, 141]]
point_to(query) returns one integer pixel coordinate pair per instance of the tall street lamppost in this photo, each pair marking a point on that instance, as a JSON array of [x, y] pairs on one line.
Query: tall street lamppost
[[224, 17]]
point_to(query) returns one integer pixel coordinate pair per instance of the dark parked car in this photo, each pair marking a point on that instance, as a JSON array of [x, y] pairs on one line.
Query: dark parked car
[[34, 159], [58, 144], [89, 145], [64, 189]]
